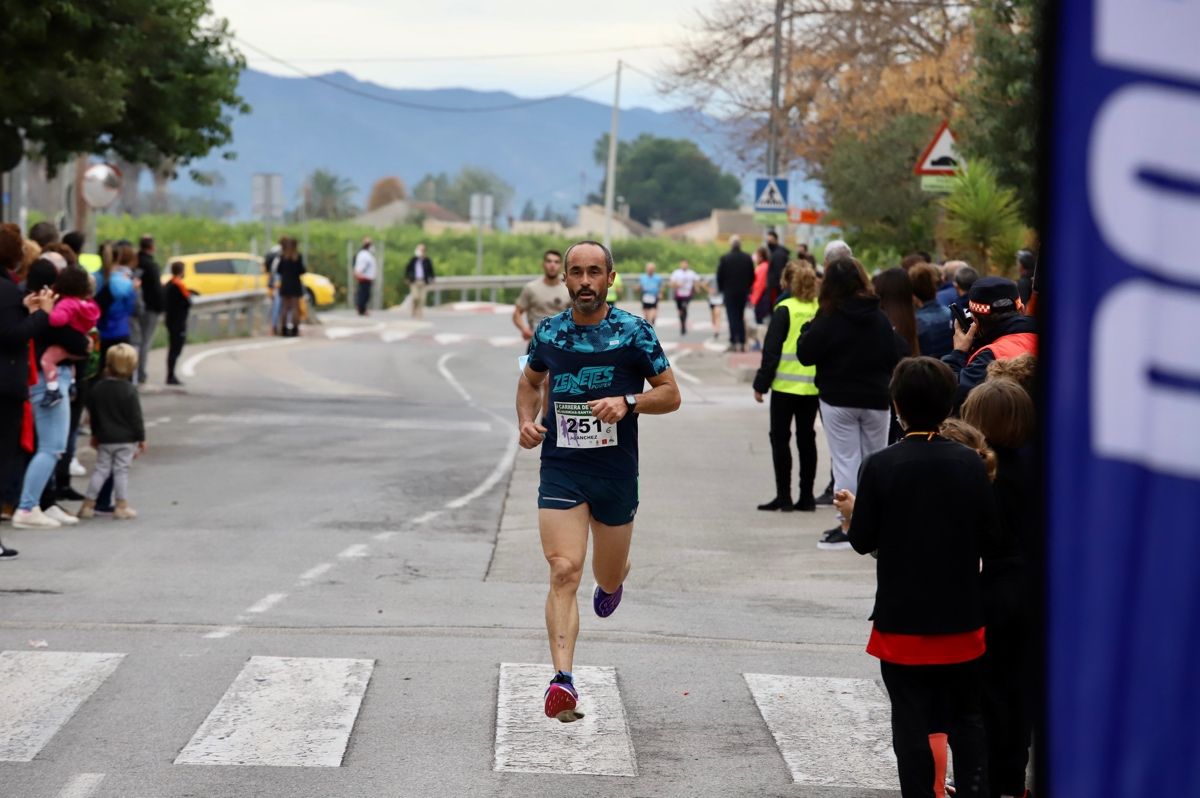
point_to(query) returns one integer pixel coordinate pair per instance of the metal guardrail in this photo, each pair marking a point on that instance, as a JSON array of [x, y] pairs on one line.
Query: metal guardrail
[[491, 284], [237, 312]]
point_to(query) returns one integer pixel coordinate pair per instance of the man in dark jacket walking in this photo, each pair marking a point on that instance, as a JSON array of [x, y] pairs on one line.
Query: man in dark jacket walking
[[780, 255], [735, 276], [419, 276], [152, 302]]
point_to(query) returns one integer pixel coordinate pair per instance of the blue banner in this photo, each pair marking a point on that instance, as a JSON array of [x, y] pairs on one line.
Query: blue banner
[[1122, 423]]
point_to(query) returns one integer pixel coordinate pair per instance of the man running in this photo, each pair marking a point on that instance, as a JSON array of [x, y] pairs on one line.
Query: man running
[[683, 283], [651, 285], [541, 298], [598, 359]]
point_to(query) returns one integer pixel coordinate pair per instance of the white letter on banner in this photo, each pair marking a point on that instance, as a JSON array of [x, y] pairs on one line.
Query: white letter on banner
[[1140, 326], [1148, 128], [1149, 36]]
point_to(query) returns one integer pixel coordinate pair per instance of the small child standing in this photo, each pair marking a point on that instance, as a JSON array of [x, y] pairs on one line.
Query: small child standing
[[75, 309], [118, 432]]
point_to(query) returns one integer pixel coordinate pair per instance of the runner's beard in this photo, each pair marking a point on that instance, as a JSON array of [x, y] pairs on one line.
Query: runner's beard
[[586, 306]]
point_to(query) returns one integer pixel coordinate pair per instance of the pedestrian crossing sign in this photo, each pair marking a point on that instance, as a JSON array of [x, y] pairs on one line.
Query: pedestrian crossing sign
[[771, 194]]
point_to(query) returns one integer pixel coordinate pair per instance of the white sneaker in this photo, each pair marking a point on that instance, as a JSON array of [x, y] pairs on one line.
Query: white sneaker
[[77, 469], [61, 516], [33, 519]]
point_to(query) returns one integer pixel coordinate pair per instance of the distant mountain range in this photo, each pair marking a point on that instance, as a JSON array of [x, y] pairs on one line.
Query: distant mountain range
[[544, 150]]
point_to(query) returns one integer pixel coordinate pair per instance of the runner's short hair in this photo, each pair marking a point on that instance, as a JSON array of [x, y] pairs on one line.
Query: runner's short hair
[[551, 252], [608, 258]]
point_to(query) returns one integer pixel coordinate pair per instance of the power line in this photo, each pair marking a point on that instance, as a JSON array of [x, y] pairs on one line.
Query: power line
[[422, 106], [480, 57]]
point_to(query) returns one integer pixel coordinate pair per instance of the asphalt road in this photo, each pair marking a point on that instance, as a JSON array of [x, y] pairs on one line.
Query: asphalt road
[[335, 582]]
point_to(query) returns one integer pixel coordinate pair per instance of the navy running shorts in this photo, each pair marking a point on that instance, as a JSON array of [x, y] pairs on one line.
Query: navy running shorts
[[613, 502]]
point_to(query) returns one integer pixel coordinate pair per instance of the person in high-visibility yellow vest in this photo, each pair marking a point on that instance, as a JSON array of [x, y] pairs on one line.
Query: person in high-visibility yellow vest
[[793, 389], [614, 290]]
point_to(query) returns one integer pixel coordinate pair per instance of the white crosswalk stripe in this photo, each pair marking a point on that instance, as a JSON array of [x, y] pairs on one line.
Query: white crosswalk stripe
[[283, 711], [529, 742], [40, 691], [831, 732]]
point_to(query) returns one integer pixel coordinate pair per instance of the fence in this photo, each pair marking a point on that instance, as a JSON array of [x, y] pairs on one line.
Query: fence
[[230, 315]]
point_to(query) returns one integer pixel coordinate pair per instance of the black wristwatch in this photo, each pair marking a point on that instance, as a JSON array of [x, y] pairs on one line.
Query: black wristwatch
[[631, 402]]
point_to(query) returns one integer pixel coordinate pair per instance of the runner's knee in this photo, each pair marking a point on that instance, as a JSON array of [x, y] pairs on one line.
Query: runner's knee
[[564, 573]]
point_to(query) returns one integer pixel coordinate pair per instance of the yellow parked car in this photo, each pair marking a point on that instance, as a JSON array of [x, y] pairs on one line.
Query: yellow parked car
[[224, 272]]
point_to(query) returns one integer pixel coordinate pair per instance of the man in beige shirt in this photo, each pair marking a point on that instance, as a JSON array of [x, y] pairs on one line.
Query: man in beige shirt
[[543, 297]]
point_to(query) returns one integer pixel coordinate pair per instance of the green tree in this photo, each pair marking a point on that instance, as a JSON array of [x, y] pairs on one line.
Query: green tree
[[476, 180], [983, 218], [432, 188], [330, 196], [529, 211], [149, 80], [667, 179], [1003, 101], [871, 188]]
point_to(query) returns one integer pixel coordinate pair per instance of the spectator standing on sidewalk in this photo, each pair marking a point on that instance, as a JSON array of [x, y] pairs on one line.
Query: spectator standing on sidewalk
[[930, 649], [150, 276], [115, 296], [178, 302], [290, 269], [793, 391], [366, 270], [118, 431], [419, 275], [934, 333], [22, 318], [854, 348], [778, 258], [545, 296], [735, 278]]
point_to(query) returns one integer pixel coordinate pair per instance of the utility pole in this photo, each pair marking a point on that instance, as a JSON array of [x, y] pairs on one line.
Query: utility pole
[[610, 178], [773, 119]]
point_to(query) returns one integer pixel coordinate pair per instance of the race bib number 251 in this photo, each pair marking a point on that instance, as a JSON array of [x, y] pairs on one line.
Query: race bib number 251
[[579, 429]]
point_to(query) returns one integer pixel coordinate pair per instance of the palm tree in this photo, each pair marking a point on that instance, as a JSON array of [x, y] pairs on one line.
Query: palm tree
[[330, 196], [983, 217]]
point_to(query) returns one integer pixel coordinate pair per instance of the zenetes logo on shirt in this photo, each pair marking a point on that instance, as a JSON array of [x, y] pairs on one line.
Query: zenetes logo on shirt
[[588, 378]]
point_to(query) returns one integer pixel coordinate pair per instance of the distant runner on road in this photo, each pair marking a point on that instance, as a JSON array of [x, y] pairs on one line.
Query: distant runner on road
[[598, 359], [546, 296], [651, 285]]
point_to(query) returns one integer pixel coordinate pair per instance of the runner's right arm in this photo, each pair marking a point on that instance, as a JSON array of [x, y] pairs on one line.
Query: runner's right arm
[[529, 399]]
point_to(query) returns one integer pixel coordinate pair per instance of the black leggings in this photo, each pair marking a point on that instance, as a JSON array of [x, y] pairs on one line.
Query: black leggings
[[785, 407], [682, 302], [922, 696], [176, 338]]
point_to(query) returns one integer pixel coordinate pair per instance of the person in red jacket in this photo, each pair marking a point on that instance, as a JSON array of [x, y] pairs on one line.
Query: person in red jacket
[[1000, 331]]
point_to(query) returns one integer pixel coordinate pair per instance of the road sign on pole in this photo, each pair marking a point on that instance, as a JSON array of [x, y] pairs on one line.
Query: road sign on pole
[[771, 195], [266, 200], [941, 156]]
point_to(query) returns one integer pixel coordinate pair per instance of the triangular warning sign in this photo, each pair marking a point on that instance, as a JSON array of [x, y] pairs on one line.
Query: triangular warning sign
[[941, 156], [771, 198]]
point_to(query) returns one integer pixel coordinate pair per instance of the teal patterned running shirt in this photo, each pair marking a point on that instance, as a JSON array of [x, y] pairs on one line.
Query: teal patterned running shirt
[[595, 361]]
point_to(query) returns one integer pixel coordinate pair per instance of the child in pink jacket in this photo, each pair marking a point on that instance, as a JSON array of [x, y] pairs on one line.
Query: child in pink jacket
[[76, 309]]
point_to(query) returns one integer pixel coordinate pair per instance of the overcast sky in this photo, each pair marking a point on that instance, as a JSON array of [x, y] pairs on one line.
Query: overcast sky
[[358, 36]]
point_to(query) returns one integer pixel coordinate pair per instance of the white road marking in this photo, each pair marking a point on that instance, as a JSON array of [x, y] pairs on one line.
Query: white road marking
[[714, 346], [334, 333], [505, 340], [266, 603], [683, 375], [831, 732], [391, 336], [450, 378], [529, 742], [188, 369], [347, 422], [498, 473], [383, 537], [357, 551], [283, 711], [316, 572], [425, 518], [222, 632], [154, 422], [449, 338], [40, 691], [82, 786]]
